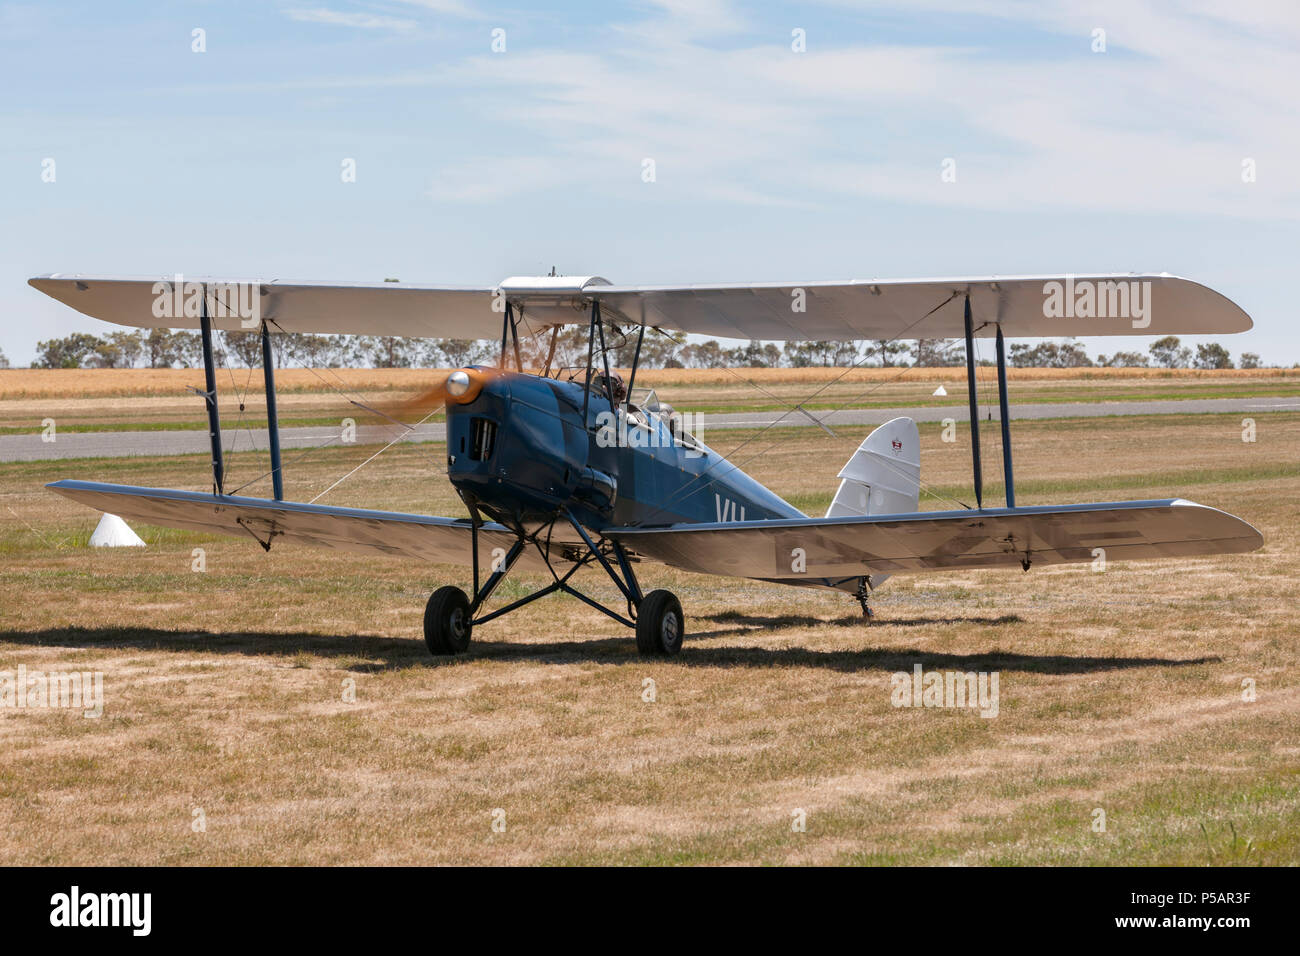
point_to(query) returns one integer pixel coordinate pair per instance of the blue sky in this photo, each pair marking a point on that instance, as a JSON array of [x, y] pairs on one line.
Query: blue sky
[[770, 164]]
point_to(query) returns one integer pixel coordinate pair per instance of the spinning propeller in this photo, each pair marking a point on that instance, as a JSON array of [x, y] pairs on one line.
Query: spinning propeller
[[460, 388]]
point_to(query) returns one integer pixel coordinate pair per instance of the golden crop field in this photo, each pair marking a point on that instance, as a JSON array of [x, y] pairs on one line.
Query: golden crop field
[[286, 702], [126, 399], [112, 382]]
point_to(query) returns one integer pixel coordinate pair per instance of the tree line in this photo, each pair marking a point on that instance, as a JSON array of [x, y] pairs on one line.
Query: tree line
[[167, 348]]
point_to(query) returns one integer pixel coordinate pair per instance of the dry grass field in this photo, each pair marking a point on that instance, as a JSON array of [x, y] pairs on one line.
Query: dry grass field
[[224, 690]]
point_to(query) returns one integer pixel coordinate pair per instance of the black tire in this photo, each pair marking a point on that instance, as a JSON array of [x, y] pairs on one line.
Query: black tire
[[660, 625], [447, 623]]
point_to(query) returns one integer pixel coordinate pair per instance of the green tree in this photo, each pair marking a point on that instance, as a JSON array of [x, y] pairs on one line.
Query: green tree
[[663, 349], [1124, 360], [1049, 355], [105, 354], [164, 348], [820, 353], [754, 355], [307, 349], [1249, 360], [188, 349], [704, 355], [936, 353], [1213, 355], [242, 348], [884, 351], [67, 352], [456, 353], [129, 345], [1168, 353]]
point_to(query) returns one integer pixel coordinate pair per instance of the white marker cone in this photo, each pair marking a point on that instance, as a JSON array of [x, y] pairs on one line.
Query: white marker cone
[[113, 532], [941, 391]]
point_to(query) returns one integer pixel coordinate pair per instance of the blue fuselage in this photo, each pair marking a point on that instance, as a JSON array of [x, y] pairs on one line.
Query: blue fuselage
[[522, 452]]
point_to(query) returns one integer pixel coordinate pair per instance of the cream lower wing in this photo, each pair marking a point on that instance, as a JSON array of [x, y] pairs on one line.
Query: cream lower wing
[[841, 549]]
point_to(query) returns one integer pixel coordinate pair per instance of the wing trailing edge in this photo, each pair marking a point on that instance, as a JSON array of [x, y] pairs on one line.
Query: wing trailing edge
[[802, 551]]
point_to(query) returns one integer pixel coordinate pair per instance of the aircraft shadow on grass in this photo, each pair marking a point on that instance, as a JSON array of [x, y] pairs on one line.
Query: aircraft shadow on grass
[[388, 653]]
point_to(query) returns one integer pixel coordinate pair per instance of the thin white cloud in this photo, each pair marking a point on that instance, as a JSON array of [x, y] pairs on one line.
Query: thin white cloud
[[695, 18], [450, 7], [1165, 130], [356, 20]]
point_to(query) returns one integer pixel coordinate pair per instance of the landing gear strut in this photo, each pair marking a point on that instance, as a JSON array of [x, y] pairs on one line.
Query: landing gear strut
[[863, 595], [657, 618]]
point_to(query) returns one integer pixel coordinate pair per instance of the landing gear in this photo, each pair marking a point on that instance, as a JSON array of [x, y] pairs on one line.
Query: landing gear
[[660, 625], [656, 617], [447, 621], [863, 595]]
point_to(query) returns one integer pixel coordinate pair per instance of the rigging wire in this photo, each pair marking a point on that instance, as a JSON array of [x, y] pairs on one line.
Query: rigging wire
[[924, 486], [241, 397], [333, 439], [682, 492], [368, 461]]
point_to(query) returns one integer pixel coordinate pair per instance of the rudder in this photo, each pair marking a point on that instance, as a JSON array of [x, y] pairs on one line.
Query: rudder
[[884, 474]]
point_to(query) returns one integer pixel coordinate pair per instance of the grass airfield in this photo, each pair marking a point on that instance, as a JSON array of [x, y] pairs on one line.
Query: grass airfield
[[225, 690]]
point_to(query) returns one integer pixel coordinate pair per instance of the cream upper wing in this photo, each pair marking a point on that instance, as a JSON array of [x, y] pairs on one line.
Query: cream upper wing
[[1024, 306], [385, 308]]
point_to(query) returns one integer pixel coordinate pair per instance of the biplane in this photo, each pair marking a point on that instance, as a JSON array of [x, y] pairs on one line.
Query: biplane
[[562, 471]]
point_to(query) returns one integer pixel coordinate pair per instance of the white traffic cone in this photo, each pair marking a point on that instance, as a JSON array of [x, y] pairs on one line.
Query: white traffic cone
[[113, 532]]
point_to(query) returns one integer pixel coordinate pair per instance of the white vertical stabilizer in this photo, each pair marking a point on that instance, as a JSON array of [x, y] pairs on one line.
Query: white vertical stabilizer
[[884, 475], [882, 478]]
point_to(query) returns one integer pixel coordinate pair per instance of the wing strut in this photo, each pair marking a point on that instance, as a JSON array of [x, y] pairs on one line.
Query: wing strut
[[272, 418], [636, 362], [591, 356], [974, 409], [1004, 411], [210, 396]]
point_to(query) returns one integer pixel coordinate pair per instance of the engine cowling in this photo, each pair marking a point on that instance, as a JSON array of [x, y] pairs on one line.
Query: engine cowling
[[518, 447]]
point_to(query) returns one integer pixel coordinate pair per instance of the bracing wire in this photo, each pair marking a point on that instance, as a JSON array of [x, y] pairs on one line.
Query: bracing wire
[[687, 489]]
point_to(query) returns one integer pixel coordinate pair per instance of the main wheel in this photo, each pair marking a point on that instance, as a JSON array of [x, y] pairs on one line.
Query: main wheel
[[447, 622], [660, 625]]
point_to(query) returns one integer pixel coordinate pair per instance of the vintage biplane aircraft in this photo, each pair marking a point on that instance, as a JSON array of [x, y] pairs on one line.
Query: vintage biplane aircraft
[[566, 470]]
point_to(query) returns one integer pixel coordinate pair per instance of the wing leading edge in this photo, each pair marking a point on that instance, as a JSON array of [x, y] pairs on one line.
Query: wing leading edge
[[420, 537], [843, 548]]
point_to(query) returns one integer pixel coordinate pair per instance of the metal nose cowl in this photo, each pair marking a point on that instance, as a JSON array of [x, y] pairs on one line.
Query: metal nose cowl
[[464, 384]]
